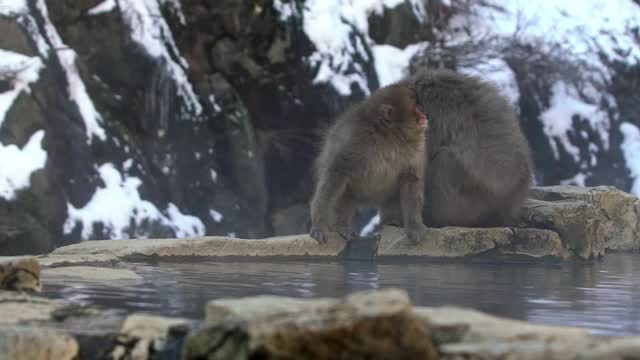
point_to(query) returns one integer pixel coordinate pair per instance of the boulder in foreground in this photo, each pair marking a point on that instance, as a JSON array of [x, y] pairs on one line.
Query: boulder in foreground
[[371, 324], [376, 325], [247, 324]]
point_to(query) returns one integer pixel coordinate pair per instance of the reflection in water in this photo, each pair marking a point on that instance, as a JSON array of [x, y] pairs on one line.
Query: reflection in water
[[601, 295]]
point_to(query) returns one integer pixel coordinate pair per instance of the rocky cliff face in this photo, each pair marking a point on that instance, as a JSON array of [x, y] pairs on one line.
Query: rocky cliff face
[[152, 118]]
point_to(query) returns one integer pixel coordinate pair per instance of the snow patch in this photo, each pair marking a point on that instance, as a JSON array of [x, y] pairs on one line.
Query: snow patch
[[631, 150], [118, 206], [391, 62], [216, 216], [13, 7], [286, 10], [148, 28], [183, 225], [371, 225], [584, 26], [104, 7], [579, 180], [76, 89], [557, 119], [21, 70], [127, 164], [18, 164], [334, 27]]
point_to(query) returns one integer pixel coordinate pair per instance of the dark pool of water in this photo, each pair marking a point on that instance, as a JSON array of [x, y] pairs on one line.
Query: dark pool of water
[[602, 295]]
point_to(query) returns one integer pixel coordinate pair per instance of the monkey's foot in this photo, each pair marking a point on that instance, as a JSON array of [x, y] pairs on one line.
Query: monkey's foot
[[416, 234], [320, 236]]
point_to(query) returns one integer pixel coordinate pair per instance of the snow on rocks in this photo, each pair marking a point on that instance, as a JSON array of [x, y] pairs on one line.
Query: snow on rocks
[[104, 7], [148, 29], [557, 119], [631, 151], [120, 208], [18, 164], [75, 86], [339, 31], [20, 71]]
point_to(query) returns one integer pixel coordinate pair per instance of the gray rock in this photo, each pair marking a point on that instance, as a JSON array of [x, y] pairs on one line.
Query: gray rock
[[619, 212], [20, 273], [577, 222], [488, 337], [36, 343], [371, 325], [240, 325], [460, 242], [57, 326]]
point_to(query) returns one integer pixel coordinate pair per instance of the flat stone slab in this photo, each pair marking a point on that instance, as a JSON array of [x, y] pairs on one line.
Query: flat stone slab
[[20, 273], [453, 242], [103, 260], [448, 242], [92, 273], [618, 212], [294, 245]]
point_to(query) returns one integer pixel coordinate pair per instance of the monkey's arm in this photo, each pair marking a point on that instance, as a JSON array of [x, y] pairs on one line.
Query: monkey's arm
[[330, 189], [411, 203]]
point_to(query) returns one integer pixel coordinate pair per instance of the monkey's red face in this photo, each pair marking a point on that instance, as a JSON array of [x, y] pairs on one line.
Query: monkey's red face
[[421, 118]]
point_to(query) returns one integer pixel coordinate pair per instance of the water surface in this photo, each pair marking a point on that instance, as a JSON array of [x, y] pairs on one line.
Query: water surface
[[602, 295]]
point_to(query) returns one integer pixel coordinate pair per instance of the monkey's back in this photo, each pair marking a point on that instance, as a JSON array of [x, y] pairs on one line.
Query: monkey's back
[[371, 162], [480, 165]]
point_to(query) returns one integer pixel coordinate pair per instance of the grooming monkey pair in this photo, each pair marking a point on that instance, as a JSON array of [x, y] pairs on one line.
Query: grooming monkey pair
[[471, 168]]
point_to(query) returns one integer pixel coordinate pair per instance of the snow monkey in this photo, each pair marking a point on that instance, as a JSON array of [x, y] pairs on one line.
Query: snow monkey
[[479, 160], [373, 155]]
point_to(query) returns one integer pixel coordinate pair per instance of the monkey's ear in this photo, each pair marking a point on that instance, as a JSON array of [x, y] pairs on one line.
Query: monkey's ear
[[386, 114]]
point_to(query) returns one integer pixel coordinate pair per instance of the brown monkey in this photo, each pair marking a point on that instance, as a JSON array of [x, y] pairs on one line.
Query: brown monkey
[[479, 160], [373, 155]]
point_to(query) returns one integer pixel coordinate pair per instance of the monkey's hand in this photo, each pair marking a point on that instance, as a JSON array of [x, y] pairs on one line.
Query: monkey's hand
[[416, 233], [321, 236]]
